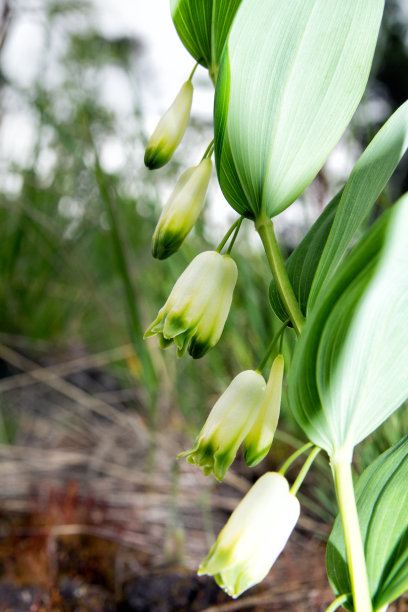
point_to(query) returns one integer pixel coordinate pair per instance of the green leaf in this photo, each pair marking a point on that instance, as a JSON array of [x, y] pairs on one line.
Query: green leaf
[[382, 502], [350, 367], [313, 261], [367, 180], [203, 27], [291, 76]]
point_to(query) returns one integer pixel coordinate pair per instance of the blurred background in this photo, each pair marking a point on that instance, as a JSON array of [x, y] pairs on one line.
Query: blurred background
[[95, 511]]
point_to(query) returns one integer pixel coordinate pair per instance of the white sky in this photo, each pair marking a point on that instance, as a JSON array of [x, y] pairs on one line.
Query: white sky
[[166, 65], [166, 57]]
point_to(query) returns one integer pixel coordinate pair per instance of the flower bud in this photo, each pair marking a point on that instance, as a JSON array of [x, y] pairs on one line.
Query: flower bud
[[182, 209], [198, 305], [170, 129], [254, 535], [227, 424], [259, 439]]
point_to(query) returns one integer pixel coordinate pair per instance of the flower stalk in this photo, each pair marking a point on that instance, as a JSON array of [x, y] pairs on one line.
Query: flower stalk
[[209, 150], [234, 227], [335, 605], [305, 468], [271, 346], [294, 456]]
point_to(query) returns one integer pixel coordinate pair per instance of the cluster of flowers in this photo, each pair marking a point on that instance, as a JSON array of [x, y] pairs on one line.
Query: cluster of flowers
[[247, 413], [184, 205]]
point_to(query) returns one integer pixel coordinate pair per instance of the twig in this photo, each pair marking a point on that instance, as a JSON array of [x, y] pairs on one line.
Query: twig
[[69, 390], [271, 597], [62, 369]]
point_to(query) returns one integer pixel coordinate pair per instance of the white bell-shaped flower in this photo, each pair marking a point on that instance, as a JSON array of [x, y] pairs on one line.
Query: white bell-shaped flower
[[254, 535], [198, 305], [228, 423]]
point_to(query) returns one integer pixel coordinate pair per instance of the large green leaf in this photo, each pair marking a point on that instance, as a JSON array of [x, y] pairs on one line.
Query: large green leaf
[[350, 367], [316, 258], [203, 27], [382, 503], [291, 76], [367, 180]]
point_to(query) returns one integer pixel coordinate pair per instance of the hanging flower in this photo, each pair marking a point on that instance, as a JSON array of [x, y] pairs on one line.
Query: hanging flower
[[254, 535], [227, 425], [170, 129], [259, 439], [198, 305], [181, 210]]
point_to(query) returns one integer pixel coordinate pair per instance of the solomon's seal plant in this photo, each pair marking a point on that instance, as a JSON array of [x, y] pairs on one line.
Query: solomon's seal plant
[[288, 77]]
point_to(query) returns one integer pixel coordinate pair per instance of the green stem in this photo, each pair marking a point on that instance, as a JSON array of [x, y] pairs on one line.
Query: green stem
[[193, 71], [231, 244], [228, 234], [266, 232], [282, 337], [335, 605], [271, 346], [354, 546], [303, 472], [209, 150], [294, 456]]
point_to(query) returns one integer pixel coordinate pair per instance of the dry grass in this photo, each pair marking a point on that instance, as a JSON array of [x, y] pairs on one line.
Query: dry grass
[[86, 484]]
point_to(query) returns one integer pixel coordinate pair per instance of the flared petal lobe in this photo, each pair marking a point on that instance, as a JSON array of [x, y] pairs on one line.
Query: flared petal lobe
[[254, 535]]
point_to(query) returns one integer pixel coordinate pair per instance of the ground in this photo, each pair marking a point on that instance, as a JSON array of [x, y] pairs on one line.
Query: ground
[[96, 514]]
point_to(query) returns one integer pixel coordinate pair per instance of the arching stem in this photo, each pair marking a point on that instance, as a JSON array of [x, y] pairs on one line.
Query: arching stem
[[266, 232]]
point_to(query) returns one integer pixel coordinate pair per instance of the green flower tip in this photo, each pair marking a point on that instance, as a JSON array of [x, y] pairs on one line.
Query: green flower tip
[[198, 349], [164, 245], [253, 456]]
